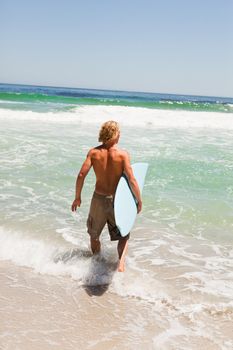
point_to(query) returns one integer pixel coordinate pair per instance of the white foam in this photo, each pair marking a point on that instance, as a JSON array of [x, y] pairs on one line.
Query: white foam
[[42, 256], [139, 284], [129, 116]]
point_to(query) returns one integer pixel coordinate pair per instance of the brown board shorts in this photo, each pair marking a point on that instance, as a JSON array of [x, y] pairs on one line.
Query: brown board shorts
[[102, 212]]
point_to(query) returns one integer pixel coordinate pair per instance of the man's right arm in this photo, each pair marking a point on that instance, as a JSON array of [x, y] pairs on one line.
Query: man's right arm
[[132, 181], [80, 180]]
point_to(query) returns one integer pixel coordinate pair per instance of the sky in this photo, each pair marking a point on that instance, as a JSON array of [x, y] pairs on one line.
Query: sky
[[164, 46]]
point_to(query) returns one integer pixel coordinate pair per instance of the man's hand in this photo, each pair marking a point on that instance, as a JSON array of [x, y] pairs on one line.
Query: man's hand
[[76, 203], [139, 206]]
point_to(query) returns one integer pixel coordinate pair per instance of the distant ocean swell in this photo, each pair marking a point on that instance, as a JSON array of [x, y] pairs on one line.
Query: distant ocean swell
[[66, 101]]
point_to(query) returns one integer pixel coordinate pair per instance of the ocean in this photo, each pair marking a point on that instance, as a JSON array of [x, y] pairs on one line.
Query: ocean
[[177, 290]]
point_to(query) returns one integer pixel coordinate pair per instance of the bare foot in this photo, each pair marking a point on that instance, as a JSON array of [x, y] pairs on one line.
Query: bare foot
[[121, 265]]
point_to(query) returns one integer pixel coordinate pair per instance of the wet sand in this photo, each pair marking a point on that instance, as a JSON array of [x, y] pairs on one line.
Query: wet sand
[[53, 312], [47, 312]]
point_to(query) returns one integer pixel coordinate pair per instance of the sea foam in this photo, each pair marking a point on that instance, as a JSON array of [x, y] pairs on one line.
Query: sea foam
[[127, 116]]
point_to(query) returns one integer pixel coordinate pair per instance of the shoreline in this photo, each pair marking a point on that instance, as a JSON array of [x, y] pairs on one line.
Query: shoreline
[[46, 312], [49, 312]]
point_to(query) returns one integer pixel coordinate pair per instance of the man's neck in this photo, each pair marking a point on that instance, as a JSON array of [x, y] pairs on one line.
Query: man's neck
[[109, 146]]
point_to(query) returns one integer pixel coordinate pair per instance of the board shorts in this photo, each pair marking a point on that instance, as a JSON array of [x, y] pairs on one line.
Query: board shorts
[[102, 213]]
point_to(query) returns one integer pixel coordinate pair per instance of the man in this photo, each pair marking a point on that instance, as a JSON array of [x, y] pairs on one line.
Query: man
[[109, 163]]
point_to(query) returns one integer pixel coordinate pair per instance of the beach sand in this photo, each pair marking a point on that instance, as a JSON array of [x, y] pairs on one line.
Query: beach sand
[[47, 312]]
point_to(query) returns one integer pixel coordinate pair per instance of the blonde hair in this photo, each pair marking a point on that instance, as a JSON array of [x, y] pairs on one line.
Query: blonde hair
[[109, 131]]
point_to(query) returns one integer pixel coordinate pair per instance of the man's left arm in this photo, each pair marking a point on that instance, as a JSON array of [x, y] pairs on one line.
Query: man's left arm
[[80, 181]]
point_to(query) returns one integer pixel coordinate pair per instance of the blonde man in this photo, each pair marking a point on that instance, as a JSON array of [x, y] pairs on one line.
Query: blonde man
[[109, 163]]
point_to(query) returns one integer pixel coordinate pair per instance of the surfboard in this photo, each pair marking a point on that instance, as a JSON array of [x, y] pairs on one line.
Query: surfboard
[[125, 203]]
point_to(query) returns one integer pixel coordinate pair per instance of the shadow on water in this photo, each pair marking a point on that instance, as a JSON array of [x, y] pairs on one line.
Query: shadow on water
[[98, 278], [73, 254], [96, 290]]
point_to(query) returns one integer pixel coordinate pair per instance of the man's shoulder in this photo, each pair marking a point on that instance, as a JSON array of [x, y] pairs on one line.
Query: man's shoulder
[[91, 151], [94, 149], [123, 152]]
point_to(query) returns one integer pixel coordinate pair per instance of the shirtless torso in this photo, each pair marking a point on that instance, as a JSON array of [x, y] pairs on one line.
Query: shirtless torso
[[109, 162], [108, 165]]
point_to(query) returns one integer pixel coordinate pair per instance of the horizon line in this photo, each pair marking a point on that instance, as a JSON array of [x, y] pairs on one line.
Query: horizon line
[[116, 90]]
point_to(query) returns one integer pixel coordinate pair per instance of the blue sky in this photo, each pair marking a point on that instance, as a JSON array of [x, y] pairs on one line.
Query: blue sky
[[171, 46]]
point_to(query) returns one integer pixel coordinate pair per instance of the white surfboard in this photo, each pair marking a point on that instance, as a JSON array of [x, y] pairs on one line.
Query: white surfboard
[[125, 203]]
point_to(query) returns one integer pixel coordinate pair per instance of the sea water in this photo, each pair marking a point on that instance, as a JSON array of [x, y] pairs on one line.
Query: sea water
[[180, 259]]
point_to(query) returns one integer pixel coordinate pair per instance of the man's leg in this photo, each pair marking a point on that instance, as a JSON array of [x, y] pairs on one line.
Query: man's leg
[[95, 245], [122, 249], [96, 221], [116, 235]]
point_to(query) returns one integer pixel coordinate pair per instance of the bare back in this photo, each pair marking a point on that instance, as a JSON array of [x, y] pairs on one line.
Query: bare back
[[108, 165]]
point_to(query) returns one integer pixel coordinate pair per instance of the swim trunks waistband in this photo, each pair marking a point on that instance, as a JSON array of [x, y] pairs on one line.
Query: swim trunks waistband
[[104, 196]]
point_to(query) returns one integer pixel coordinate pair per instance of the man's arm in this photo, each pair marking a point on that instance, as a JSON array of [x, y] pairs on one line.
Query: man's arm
[[132, 181], [80, 180]]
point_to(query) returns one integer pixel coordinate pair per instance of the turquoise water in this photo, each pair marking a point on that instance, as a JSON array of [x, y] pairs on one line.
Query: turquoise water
[[54, 98], [181, 246]]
